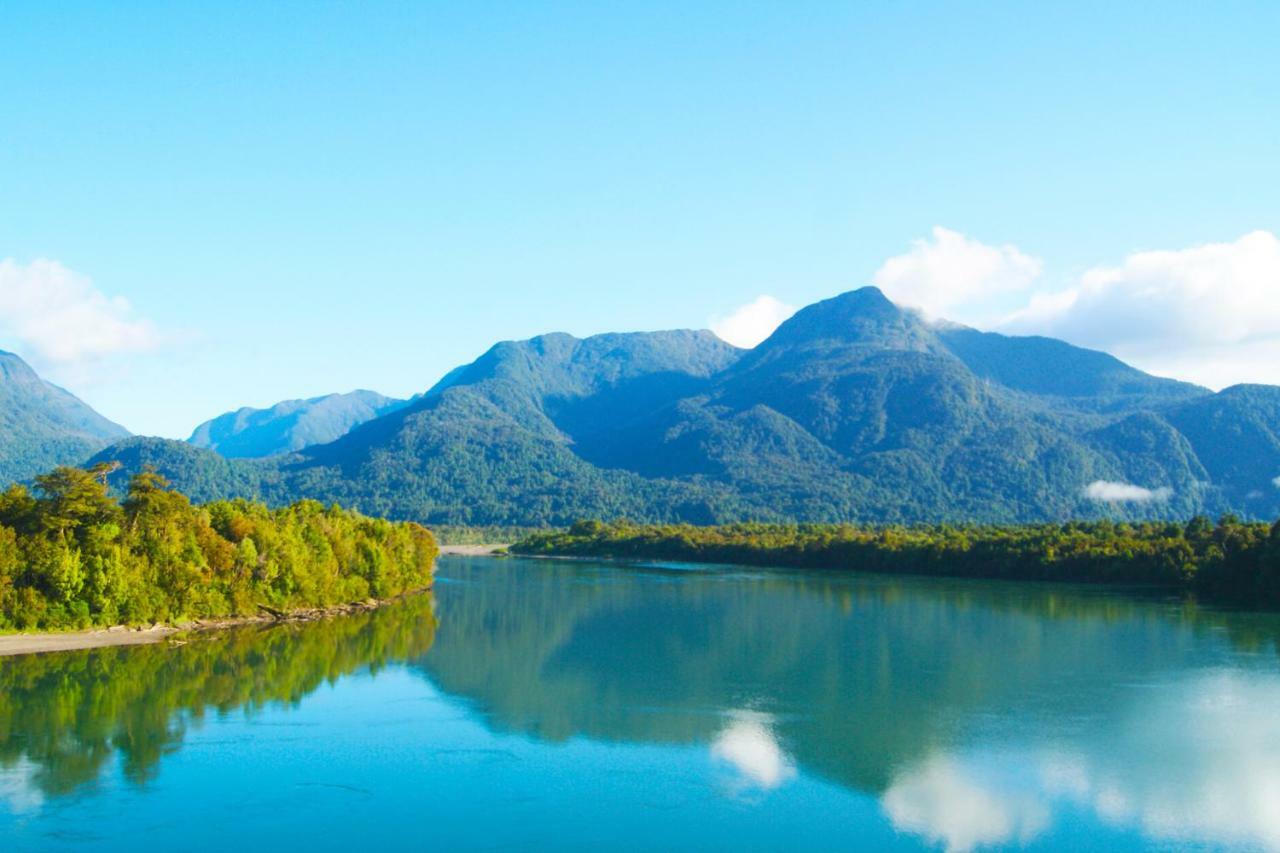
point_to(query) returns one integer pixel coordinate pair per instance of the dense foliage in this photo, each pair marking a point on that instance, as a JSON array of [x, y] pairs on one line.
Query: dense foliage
[[1230, 561], [854, 410], [72, 555]]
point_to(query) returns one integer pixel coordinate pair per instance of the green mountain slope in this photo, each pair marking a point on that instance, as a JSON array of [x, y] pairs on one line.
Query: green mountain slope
[[1061, 373], [42, 425], [854, 409]]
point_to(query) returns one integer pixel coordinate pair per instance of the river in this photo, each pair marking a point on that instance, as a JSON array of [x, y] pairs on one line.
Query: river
[[534, 704]]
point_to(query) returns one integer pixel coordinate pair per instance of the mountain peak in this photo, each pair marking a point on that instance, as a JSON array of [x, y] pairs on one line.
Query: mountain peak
[[14, 368], [864, 317], [866, 295]]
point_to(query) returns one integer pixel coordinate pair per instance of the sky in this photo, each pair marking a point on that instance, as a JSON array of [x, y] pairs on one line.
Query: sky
[[207, 206]]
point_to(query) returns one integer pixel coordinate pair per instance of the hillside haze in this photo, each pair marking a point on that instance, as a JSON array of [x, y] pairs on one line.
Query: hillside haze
[[290, 425], [853, 409], [41, 425]]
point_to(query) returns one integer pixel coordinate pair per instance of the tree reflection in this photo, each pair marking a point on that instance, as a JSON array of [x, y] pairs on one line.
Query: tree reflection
[[975, 713], [65, 716], [859, 676]]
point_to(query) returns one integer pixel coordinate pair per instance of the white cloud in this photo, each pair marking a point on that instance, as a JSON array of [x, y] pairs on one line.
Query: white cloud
[[749, 746], [946, 804], [59, 318], [956, 277], [1209, 313], [1276, 482], [1114, 492], [752, 323]]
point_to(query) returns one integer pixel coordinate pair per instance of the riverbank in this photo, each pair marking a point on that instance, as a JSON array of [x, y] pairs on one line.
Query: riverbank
[[122, 635], [1230, 562], [490, 550]]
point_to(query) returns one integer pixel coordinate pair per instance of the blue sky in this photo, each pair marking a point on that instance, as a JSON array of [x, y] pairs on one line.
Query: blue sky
[[316, 197]]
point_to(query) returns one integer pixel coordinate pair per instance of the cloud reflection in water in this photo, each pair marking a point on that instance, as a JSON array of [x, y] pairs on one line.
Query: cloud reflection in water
[[949, 803], [1197, 762], [19, 794], [749, 746]]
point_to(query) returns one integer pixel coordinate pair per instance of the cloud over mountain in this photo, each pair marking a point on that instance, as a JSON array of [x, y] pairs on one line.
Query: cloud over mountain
[[748, 325], [58, 316], [1208, 314], [1113, 492], [956, 276]]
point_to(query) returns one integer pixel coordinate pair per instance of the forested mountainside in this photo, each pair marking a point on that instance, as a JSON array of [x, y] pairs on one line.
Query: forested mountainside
[[854, 409], [42, 425]]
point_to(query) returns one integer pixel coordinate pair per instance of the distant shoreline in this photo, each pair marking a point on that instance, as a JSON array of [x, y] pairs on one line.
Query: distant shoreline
[[120, 635], [1231, 562], [491, 550]]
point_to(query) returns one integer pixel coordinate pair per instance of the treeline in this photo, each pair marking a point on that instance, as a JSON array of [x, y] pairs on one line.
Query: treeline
[[1229, 560], [73, 555]]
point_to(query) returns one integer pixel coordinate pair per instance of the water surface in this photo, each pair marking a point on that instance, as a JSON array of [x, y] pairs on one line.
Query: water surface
[[567, 705]]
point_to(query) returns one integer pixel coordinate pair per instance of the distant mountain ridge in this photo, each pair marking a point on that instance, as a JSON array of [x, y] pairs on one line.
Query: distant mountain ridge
[[854, 409], [290, 425], [42, 426]]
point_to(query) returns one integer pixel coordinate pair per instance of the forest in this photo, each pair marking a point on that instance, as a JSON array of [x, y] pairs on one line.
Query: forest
[[1229, 561], [73, 555]]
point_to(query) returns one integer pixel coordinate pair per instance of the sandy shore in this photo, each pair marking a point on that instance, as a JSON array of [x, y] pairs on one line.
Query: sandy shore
[[29, 644], [472, 550], [26, 644]]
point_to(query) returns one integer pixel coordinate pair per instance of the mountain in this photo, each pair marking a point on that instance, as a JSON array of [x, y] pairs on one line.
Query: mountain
[[1062, 374], [42, 426], [505, 428], [854, 409], [291, 425]]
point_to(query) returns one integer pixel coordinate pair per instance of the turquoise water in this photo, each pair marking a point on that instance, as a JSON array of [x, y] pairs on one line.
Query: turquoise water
[[573, 705]]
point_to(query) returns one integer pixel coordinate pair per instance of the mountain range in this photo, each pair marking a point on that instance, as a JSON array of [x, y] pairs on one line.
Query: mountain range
[[854, 409]]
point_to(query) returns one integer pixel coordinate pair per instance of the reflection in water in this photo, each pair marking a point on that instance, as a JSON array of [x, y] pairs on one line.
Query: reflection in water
[[951, 804], [749, 746], [65, 717], [19, 791], [1219, 736], [978, 714], [1199, 762], [793, 708]]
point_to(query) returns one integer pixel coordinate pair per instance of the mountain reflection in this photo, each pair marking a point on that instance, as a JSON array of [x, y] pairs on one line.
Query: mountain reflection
[[65, 717], [965, 714], [977, 713]]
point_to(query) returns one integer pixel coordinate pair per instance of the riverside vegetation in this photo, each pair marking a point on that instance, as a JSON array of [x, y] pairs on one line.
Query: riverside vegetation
[[1230, 561], [74, 556]]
